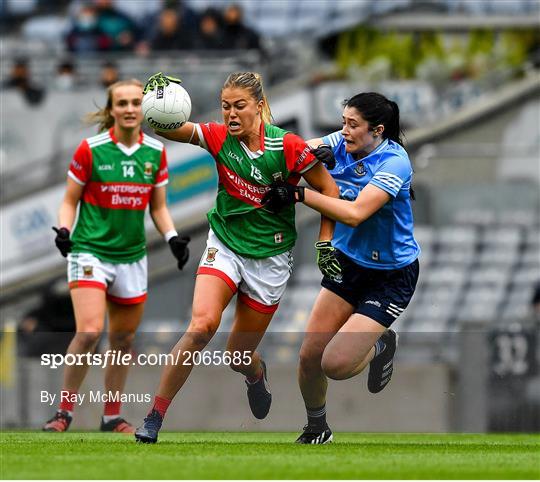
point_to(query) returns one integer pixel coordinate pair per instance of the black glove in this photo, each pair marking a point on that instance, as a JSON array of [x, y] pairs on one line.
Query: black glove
[[325, 154], [282, 194], [62, 241], [326, 259], [180, 250]]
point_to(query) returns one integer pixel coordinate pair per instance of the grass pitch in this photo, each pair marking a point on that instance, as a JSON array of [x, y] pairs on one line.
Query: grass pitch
[[83, 455]]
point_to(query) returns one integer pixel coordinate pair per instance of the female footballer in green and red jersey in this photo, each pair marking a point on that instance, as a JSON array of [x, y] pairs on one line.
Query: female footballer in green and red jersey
[[249, 247], [112, 178]]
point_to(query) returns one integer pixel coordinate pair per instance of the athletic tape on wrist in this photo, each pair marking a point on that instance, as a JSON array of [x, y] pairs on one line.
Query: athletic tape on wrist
[[170, 234]]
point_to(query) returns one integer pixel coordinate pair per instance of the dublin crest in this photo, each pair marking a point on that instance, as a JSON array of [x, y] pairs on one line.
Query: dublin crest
[[360, 169]]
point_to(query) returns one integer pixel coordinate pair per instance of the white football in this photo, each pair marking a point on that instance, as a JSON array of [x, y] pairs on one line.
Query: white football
[[166, 108]]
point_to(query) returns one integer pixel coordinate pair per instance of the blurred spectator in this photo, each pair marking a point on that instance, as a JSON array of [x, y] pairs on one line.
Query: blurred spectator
[[66, 76], [188, 16], [157, 28], [237, 34], [170, 34], [109, 74], [48, 328], [20, 79], [121, 31], [98, 26], [210, 35], [85, 35]]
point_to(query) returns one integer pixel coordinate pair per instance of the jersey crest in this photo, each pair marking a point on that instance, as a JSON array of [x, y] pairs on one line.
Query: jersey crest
[[360, 169]]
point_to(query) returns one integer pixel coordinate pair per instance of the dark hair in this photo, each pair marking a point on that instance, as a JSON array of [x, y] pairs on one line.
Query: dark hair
[[376, 109]]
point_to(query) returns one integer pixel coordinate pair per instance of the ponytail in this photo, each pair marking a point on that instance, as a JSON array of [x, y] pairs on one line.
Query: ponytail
[[393, 129], [266, 113], [101, 117]]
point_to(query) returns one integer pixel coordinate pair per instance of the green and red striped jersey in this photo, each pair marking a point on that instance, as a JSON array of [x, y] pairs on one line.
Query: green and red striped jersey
[[238, 218], [118, 183]]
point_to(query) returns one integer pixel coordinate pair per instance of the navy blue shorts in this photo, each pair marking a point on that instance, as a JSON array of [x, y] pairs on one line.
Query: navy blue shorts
[[379, 294]]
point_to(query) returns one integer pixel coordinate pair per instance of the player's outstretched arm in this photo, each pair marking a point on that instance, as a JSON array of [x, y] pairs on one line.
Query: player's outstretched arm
[[368, 202], [186, 133]]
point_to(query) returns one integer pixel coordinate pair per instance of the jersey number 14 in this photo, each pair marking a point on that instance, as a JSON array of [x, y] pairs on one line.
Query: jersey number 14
[[129, 171]]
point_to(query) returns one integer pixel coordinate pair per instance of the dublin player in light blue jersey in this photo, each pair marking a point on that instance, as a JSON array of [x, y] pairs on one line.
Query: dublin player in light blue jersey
[[377, 255]]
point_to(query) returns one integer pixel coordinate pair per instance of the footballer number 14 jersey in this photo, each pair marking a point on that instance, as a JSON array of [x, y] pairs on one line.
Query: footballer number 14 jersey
[[118, 183]]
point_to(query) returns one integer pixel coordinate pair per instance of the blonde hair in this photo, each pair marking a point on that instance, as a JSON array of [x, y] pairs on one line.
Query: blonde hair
[[252, 82], [103, 117]]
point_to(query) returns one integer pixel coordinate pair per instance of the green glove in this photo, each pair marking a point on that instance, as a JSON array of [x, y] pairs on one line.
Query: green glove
[[326, 259], [159, 80]]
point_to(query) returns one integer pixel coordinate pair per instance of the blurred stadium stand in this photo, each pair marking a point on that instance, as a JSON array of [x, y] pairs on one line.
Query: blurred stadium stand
[[474, 140]]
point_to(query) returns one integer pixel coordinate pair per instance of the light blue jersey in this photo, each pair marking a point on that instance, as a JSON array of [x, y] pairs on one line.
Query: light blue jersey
[[385, 240]]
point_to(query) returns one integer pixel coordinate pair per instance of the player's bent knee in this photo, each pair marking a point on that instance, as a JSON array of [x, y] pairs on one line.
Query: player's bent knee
[[310, 361], [335, 367], [202, 329]]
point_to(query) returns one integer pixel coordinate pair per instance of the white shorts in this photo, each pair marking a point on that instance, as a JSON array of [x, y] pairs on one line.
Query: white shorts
[[124, 283], [260, 282]]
